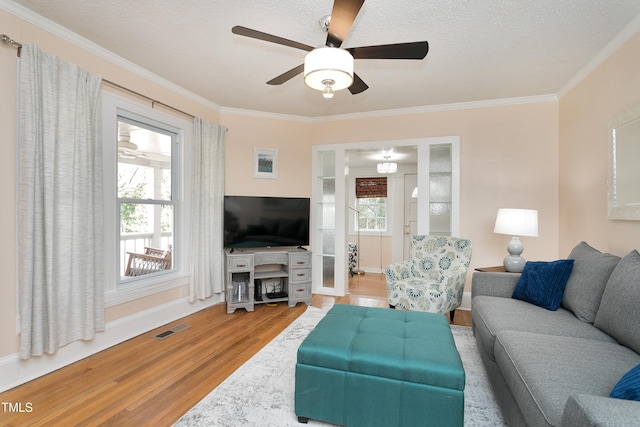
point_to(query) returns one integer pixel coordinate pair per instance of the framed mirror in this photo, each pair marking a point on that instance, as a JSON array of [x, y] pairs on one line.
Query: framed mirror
[[624, 165]]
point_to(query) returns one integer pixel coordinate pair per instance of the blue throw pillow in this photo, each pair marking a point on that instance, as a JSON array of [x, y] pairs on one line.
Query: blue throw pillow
[[542, 283], [628, 387]]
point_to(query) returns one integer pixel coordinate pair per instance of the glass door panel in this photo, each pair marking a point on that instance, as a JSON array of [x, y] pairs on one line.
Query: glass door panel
[[326, 211], [440, 189]]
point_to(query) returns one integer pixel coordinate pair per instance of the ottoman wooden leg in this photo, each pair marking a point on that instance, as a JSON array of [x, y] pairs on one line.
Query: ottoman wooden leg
[[303, 420]]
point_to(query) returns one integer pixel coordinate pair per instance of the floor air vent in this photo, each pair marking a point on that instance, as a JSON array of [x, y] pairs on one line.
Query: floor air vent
[[168, 333]]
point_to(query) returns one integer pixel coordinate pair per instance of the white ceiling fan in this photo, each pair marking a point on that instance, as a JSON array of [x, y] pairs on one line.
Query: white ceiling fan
[[126, 148]]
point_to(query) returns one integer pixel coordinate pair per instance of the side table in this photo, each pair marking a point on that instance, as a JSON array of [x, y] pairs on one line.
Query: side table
[[496, 269]]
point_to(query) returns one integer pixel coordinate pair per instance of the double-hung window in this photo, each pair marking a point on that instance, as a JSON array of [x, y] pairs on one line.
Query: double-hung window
[[371, 204], [146, 198]]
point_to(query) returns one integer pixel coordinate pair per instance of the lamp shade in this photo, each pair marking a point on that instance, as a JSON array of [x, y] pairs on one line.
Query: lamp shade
[[328, 64], [517, 222], [387, 167]]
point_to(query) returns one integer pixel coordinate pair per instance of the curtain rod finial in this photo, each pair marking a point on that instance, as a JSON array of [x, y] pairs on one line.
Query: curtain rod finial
[[8, 40]]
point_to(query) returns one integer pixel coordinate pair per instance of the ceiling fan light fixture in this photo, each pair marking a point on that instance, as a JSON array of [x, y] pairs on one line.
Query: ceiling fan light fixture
[[328, 69]]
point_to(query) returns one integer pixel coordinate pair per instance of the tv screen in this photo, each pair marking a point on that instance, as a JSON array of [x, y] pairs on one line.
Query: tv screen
[[258, 222]]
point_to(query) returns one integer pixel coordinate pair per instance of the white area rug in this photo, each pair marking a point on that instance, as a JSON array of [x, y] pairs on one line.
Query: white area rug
[[261, 392]]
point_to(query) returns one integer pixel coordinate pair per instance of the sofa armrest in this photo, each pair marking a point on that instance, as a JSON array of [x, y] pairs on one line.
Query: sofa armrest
[[591, 411], [493, 284]]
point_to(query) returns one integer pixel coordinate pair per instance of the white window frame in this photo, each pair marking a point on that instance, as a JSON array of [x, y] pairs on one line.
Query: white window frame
[[115, 291]]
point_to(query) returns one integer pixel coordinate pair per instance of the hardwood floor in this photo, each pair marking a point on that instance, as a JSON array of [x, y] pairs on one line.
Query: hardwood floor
[[146, 381]]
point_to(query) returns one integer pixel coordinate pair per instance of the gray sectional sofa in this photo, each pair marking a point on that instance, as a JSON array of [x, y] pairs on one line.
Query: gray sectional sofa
[[558, 367]]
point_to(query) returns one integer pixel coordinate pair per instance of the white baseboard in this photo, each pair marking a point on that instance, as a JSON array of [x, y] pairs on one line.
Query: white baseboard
[[466, 302], [14, 371], [372, 270]]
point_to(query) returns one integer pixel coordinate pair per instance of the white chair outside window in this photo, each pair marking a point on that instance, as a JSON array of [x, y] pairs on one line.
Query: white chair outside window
[[151, 261]]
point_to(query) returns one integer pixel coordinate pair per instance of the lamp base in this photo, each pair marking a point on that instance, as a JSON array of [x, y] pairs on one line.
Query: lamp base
[[514, 263]]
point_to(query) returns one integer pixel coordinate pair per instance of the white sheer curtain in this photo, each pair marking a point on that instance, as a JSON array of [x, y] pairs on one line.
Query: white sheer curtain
[[60, 208], [207, 260]]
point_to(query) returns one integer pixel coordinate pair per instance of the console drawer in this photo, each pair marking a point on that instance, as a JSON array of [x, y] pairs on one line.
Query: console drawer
[[240, 262], [299, 291], [262, 258], [300, 275], [302, 259]]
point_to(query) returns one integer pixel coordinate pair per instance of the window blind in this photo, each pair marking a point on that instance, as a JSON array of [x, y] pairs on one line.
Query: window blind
[[371, 187]]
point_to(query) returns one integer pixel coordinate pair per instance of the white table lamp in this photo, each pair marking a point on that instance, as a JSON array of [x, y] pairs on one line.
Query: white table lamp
[[516, 222]]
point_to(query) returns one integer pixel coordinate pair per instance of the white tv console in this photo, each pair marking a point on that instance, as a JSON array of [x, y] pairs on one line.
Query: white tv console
[[259, 276]]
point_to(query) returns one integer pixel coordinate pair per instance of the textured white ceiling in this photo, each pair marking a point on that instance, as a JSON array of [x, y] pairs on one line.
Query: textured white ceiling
[[479, 50]]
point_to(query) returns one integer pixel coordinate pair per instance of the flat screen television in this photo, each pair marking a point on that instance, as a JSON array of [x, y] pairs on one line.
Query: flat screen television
[[259, 222]]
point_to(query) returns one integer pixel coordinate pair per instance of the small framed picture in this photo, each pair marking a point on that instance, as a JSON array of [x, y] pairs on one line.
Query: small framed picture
[[265, 163]]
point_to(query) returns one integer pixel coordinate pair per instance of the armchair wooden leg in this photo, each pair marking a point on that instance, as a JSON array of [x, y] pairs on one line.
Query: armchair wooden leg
[[392, 306]]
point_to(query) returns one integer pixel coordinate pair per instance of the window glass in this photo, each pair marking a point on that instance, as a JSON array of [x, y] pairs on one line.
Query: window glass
[[371, 214], [146, 202]]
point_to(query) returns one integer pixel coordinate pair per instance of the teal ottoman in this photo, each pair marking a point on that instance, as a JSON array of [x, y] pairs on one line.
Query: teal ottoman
[[364, 366]]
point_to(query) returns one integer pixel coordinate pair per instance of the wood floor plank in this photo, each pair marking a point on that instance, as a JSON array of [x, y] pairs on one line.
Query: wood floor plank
[[146, 381]]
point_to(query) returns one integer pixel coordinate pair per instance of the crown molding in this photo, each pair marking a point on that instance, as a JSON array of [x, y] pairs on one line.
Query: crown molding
[[71, 37], [266, 115], [396, 112], [444, 107]]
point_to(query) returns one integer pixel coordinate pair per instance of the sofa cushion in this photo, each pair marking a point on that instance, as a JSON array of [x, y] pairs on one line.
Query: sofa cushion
[[542, 283], [587, 281], [628, 387], [542, 371], [595, 411], [492, 315], [618, 314]]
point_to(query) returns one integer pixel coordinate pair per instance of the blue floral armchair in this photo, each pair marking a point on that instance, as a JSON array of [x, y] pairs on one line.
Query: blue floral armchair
[[433, 278]]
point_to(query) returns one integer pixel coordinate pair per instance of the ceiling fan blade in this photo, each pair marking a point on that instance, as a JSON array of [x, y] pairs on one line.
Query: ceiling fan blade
[[342, 16], [285, 77], [255, 34], [414, 50], [358, 86]]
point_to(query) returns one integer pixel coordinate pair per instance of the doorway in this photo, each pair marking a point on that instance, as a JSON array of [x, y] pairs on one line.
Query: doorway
[[337, 164]]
